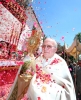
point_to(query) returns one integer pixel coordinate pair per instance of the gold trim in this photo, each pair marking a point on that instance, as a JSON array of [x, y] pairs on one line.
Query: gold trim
[[9, 68], [34, 42]]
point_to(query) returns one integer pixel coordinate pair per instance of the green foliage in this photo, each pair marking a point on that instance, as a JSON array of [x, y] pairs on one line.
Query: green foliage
[[25, 66], [63, 54], [78, 37], [71, 58], [60, 48]]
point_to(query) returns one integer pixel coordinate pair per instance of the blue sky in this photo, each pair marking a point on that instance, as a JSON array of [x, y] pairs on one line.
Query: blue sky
[[59, 19]]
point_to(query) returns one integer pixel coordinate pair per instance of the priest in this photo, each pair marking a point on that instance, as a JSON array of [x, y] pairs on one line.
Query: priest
[[52, 79]]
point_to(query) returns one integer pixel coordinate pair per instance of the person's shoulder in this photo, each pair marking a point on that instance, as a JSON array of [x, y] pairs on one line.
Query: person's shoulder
[[57, 56]]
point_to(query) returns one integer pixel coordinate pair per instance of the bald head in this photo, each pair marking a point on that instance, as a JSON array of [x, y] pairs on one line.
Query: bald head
[[52, 41]]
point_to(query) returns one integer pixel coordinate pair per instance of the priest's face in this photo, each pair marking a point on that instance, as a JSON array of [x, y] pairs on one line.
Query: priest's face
[[48, 48]]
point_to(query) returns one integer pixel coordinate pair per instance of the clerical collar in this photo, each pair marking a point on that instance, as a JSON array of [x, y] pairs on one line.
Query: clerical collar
[[49, 59]]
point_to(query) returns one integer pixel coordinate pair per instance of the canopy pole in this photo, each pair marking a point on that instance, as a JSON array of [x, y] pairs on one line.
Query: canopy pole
[[76, 62], [76, 51]]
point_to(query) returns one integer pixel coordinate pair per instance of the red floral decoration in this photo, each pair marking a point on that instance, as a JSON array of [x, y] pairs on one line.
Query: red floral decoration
[[38, 98], [15, 9], [55, 61], [13, 48], [44, 77]]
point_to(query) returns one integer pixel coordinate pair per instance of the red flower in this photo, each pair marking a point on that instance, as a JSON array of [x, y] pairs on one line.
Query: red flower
[[44, 77], [63, 86], [55, 61], [38, 98], [37, 67], [19, 62], [7, 0]]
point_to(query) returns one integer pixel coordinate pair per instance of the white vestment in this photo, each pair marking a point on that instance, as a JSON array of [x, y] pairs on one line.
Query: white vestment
[[52, 80]]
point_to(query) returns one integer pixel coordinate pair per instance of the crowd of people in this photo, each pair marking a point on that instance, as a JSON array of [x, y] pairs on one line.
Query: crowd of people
[[75, 70]]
